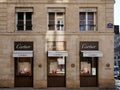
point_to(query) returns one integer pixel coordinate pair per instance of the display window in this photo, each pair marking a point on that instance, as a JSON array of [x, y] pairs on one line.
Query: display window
[[56, 66], [24, 66], [88, 66]]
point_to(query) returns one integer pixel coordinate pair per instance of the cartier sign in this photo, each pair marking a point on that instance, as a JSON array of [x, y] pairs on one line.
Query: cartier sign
[[23, 46], [89, 45]]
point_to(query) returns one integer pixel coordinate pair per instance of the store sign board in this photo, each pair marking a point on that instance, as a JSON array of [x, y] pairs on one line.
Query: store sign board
[[57, 53], [23, 46], [89, 45]]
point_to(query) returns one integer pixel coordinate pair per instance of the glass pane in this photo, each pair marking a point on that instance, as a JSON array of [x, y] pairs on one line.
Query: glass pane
[[28, 20], [60, 21], [52, 16], [91, 16], [20, 21], [24, 67], [82, 23], [51, 25], [56, 66], [20, 25], [28, 25], [90, 22], [88, 66], [29, 16], [91, 27], [20, 16], [51, 22], [82, 27], [82, 16], [85, 68]]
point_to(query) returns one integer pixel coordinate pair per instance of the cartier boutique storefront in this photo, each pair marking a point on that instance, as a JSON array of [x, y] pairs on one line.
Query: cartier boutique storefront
[[23, 57], [56, 61], [57, 54], [89, 56]]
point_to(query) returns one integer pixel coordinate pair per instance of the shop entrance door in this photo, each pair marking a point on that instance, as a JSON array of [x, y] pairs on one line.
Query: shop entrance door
[[88, 72], [56, 72], [23, 72]]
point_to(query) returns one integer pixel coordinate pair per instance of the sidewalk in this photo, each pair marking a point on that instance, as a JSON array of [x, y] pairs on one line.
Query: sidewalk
[[84, 88]]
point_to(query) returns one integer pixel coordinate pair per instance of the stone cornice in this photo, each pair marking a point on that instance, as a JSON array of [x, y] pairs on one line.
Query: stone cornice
[[55, 1]]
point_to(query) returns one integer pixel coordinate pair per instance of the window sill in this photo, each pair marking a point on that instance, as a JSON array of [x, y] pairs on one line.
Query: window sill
[[89, 31], [55, 32], [21, 31]]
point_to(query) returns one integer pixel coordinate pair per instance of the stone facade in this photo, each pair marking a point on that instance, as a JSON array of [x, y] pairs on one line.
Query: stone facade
[[72, 36]]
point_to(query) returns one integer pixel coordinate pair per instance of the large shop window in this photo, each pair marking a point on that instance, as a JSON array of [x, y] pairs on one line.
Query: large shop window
[[56, 66], [88, 66], [56, 59], [24, 66], [24, 19], [87, 19], [56, 63], [56, 19]]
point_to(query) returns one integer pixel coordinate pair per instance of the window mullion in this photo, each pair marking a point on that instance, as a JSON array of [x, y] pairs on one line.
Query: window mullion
[[95, 27], [63, 21], [24, 21], [55, 21], [16, 21], [86, 21]]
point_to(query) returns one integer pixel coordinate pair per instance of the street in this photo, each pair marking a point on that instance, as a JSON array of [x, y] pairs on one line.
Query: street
[[117, 84], [117, 87]]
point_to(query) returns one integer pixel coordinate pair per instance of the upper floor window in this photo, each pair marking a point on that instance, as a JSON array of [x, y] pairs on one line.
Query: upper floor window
[[24, 19], [87, 19], [56, 19]]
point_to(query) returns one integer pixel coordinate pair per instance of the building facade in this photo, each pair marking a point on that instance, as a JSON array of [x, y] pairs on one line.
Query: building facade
[[56, 43]]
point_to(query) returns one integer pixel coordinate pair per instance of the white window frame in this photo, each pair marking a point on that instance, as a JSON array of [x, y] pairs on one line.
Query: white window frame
[[55, 11], [24, 11], [86, 11]]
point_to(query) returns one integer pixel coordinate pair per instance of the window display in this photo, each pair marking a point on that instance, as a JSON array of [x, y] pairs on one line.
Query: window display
[[88, 66], [24, 67], [56, 66], [85, 68]]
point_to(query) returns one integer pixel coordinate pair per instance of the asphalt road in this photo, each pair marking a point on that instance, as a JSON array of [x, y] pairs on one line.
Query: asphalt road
[[117, 84]]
